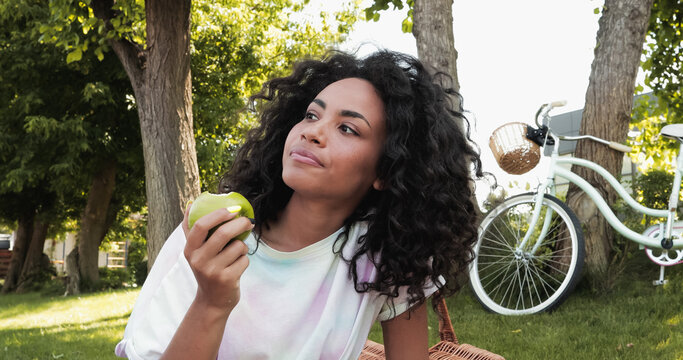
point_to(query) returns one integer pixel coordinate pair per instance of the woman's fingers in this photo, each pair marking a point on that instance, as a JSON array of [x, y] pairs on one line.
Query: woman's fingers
[[200, 229], [218, 268], [231, 254], [224, 233]]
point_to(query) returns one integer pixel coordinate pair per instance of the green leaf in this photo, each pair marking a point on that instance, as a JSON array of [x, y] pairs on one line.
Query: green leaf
[[407, 25], [99, 54], [75, 55]]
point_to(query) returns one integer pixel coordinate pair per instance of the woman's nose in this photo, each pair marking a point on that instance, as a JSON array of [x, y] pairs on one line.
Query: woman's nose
[[315, 133]]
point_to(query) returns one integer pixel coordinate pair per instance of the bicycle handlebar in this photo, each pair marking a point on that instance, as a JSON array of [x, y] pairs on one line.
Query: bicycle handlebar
[[558, 103], [545, 109], [619, 147]]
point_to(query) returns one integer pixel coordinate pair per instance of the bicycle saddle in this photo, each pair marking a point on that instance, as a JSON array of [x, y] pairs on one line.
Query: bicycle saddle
[[674, 131]]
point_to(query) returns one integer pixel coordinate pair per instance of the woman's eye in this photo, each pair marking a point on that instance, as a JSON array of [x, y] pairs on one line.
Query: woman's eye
[[348, 130], [311, 116]]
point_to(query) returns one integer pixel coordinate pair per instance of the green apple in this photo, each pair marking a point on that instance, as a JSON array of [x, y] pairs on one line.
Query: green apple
[[207, 202]]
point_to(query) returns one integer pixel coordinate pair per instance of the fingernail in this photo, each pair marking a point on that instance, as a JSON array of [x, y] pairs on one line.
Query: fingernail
[[234, 208], [252, 220], [187, 205]]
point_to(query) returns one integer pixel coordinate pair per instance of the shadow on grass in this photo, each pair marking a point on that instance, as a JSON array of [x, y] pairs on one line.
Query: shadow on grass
[[90, 340]]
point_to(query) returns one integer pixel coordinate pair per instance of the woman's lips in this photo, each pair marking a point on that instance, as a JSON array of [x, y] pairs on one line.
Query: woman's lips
[[305, 156]]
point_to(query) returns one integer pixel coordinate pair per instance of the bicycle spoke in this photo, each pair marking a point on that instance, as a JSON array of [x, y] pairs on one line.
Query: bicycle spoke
[[534, 285], [503, 242], [507, 224], [502, 269], [497, 288], [550, 276], [483, 270], [545, 284], [513, 277], [521, 290], [509, 248]]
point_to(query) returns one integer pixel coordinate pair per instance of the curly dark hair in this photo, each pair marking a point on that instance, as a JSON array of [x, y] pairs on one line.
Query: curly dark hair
[[423, 223]]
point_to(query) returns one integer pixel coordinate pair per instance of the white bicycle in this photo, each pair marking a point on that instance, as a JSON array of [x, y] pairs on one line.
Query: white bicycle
[[530, 251]]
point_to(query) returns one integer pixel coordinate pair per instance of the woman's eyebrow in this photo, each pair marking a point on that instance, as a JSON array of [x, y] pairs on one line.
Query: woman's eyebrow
[[320, 102], [348, 113], [354, 114]]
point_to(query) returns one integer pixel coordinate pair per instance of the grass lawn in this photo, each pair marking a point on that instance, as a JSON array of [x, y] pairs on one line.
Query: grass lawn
[[634, 321], [83, 327]]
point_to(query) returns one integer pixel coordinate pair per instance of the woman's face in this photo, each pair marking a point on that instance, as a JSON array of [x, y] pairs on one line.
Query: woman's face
[[333, 152]]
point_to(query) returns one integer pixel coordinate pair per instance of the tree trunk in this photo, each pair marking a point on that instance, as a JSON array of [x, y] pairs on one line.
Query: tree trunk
[[171, 170], [609, 99], [73, 278], [161, 80], [433, 31], [95, 222], [22, 239], [32, 268]]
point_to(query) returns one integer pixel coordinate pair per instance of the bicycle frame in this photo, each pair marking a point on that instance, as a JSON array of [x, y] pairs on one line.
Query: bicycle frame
[[548, 186]]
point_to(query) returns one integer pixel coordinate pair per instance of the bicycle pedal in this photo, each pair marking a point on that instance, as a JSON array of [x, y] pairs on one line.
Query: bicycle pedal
[[659, 282]]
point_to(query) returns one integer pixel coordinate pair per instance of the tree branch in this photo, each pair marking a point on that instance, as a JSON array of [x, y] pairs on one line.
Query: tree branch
[[131, 55]]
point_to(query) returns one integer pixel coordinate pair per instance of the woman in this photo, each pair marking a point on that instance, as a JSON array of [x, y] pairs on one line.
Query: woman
[[359, 174]]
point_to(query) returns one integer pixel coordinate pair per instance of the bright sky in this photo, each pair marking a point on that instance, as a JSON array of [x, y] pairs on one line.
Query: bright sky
[[513, 57]]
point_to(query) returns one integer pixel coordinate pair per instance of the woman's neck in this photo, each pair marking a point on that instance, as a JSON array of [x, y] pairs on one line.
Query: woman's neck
[[302, 223]]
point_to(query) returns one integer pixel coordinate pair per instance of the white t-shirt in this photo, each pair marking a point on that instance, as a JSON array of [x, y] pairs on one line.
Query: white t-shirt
[[293, 305]]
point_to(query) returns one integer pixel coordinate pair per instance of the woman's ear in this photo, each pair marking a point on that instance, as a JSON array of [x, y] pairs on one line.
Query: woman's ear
[[378, 184]]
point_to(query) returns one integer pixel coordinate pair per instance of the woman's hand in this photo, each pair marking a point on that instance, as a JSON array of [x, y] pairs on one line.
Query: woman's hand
[[218, 269], [217, 266]]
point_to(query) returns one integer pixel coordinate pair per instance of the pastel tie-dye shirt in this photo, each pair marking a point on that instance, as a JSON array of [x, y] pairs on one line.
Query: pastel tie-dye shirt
[[294, 305]]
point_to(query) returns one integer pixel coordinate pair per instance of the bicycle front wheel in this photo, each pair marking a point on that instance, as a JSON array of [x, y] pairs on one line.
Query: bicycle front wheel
[[512, 280]]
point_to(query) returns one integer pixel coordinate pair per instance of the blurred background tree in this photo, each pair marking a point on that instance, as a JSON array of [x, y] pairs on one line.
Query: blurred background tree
[[69, 126]]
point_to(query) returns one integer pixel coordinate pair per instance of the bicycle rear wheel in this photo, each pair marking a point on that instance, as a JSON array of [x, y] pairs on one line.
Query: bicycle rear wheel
[[510, 280]]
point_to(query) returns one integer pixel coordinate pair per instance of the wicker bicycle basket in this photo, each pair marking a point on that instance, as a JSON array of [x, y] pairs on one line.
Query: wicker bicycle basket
[[514, 153]]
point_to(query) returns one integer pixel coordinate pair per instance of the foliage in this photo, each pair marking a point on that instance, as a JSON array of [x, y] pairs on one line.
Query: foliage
[[59, 120], [137, 260], [372, 12], [132, 229], [654, 188], [111, 279], [662, 64], [30, 106], [650, 151], [74, 27], [42, 279], [664, 54], [53, 287]]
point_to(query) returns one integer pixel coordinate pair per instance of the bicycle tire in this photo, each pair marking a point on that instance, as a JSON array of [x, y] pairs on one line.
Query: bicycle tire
[[510, 282]]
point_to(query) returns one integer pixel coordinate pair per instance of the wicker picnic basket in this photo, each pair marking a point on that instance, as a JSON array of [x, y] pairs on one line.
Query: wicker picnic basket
[[514, 153], [447, 349]]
